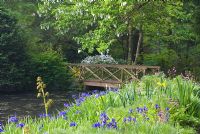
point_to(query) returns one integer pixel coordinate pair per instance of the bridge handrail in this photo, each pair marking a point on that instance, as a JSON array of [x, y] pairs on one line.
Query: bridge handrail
[[115, 66]]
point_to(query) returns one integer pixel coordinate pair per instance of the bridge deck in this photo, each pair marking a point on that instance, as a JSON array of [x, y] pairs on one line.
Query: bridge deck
[[98, 83]]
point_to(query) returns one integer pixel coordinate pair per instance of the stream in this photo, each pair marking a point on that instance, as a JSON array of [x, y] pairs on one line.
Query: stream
[[27, 104]]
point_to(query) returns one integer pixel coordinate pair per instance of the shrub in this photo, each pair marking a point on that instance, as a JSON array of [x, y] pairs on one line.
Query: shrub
[[99, 59], [13, 59], [51, 67], [165, 59]]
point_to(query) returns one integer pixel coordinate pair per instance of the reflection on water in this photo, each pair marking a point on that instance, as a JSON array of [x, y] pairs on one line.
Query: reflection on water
[[28, 104]]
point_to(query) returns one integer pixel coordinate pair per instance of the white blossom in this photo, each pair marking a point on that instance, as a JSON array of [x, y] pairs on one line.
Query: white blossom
[[99, 59], [123, 3]]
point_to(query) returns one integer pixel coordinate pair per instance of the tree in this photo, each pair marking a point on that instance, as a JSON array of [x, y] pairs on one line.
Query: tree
[[98, 24], [150, 32], [12, 53]]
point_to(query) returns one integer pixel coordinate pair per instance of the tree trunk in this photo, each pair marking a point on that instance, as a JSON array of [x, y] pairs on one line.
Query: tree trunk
[[130, 42], [138, 47]]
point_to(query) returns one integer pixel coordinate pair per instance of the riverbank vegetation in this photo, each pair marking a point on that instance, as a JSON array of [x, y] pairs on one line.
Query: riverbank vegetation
[[154, 105]]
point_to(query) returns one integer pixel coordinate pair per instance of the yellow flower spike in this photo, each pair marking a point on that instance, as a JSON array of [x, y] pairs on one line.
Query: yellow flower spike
[[158, 83], [41, 93], [162, 84]]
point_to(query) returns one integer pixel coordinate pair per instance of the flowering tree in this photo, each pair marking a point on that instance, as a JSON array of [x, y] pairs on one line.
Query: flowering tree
[[99, 24]]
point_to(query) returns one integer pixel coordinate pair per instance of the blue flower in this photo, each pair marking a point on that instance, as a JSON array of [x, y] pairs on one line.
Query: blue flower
[[130, 111], [21, 125], [44, 115], [73, 124], [1, 124], [114, 89], [129, 119], [112, 124], [104, 116], [1, 130], [74, 96], [125, 120], [134, 119], [79, 101], [139, 110], [96, 125], [157, 106], [103, 122], [85, 94], [167, 109], [94, 91], [66, 105], [13, 119], [145, 108], [97, 95], [62, 113], [102, 93]]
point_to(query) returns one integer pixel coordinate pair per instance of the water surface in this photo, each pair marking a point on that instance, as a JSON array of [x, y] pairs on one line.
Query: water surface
[[27, 104]]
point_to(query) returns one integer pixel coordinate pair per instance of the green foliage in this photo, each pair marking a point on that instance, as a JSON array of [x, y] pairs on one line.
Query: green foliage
[[50, 65], [185, 90], [166, 58], [104, 21], [197, 20], [194, 63], [13, 58]]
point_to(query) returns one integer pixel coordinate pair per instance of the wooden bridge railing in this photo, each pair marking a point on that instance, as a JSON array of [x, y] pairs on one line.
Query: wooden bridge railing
[[111, 75]]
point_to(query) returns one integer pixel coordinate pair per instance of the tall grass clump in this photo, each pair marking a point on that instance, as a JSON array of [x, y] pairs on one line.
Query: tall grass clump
[[185, 91]]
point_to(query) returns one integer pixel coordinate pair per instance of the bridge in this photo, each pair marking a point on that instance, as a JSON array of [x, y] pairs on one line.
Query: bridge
[[105, 75]]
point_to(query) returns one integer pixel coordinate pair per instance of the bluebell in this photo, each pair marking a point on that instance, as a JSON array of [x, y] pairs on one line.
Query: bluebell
[[73, 124], [157, 106], [13, 119], [1, 130], [96, 125], [21, 125], [62, 113], [130, 111], [66, 105]]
